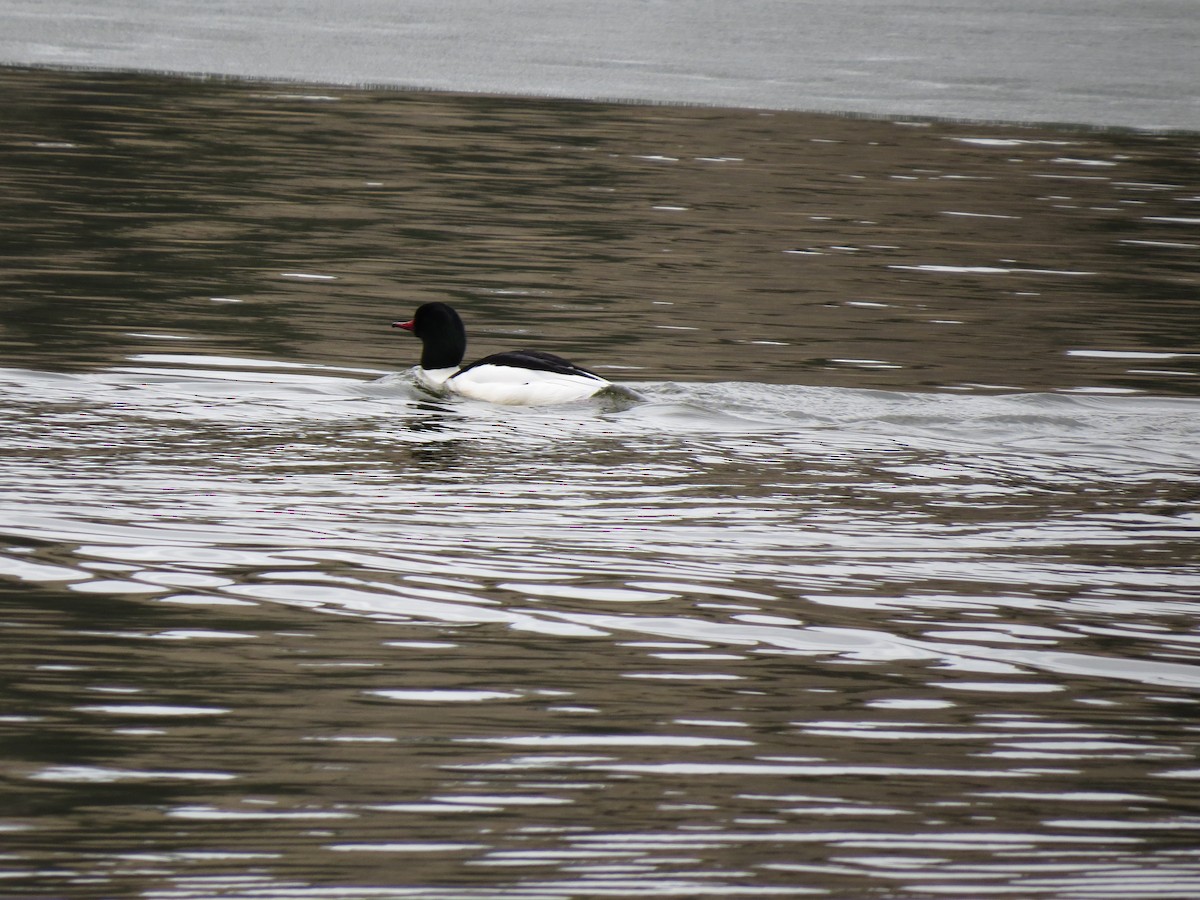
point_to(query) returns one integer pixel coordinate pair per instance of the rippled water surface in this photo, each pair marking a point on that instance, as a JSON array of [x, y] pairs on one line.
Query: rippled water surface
[[886, 587]]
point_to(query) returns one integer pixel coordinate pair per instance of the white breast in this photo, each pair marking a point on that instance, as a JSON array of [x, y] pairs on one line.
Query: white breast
[[433, 379]]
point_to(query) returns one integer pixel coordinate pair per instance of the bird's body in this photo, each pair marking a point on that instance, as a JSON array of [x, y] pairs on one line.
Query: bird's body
[[515, 378]]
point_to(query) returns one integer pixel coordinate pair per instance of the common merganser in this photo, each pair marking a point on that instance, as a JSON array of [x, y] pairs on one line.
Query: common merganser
[[515, 378]]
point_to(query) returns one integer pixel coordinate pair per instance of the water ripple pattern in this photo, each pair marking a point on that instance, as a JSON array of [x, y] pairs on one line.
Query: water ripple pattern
[[821, 614]]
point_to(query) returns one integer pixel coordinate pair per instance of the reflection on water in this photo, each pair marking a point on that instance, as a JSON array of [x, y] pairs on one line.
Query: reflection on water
[[685, 244], [279, 625]]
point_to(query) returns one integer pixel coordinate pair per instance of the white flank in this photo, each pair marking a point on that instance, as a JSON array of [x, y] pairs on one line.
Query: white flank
[[515, 386]]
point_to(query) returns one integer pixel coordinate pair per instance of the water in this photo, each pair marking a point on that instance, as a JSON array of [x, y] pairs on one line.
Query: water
[[887, 587]]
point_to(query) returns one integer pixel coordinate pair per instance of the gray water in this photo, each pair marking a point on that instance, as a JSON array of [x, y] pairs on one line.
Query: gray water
[[1106, 62], [887, 587]]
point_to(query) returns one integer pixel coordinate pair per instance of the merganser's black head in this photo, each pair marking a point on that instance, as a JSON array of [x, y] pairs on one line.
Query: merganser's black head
[[443, 337]]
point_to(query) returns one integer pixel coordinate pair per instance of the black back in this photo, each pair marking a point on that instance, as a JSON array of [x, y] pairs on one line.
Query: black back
[[534, 359]]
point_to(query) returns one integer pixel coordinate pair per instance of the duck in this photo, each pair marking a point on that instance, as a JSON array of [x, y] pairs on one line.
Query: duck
[[513, 378]]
